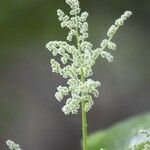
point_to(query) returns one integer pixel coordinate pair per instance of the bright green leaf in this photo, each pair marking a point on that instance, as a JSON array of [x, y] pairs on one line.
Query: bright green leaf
[[120, 136]]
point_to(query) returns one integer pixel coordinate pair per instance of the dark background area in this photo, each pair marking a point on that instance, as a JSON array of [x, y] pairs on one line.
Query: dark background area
[[29, 113]]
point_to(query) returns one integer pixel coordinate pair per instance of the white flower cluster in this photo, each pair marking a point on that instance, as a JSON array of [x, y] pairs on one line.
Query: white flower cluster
[[12, 145], [79, 91], [111, 32], [145, 144], [144, 132], [119, 22], [74, 4], [75, 22], [77, 60]]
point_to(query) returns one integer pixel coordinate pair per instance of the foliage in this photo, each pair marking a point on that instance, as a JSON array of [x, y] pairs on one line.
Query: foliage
[[121, 136]]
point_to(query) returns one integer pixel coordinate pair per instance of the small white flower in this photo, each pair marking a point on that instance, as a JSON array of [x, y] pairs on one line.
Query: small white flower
[[59, 96], [88, 103], [112, 45], [74, 4], [55, 66], [72, 106], [104, 43], [60, 14], [84, 16], [111, 31], [107, 55], [12, 145], [146, 133], [144, 142], [84, 28], [119, 22]]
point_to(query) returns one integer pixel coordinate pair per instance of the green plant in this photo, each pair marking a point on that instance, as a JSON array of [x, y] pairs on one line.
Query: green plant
[[144, 142], [123, 135], [77, 61]]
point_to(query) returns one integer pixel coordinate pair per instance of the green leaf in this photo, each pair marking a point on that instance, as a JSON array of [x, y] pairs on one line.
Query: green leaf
[[120, 136]]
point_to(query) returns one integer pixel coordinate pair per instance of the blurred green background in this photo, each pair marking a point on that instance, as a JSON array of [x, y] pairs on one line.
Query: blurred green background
[[29, 113]]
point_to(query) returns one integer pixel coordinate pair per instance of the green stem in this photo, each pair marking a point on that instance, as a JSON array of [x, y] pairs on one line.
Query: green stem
[[84, 116], [84, 119]]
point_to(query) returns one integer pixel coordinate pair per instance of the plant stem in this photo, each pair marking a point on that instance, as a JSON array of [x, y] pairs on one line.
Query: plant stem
[[84, 117]]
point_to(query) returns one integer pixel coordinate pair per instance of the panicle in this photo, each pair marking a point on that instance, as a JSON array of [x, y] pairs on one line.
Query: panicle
[[73, 59]]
